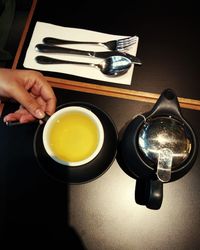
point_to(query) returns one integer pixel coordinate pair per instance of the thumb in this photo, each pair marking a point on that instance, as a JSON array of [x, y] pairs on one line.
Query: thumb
[[30, 103]]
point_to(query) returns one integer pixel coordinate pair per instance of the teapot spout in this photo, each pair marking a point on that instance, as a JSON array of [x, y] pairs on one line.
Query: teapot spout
[[167, 104]]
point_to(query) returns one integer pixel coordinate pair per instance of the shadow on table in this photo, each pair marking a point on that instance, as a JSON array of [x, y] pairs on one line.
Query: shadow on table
[[26, 234], [33, 206]]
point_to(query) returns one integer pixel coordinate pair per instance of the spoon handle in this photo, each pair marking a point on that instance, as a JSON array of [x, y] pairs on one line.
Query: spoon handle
[[50, 60]]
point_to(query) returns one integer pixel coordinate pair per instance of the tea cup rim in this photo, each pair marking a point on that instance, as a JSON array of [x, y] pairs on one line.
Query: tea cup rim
[[48, 125]]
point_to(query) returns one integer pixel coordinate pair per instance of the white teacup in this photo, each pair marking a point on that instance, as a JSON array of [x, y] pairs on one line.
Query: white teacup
[[73, 136]]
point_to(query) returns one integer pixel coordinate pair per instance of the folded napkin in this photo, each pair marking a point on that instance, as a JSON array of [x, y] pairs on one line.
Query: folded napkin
[[42, 30]]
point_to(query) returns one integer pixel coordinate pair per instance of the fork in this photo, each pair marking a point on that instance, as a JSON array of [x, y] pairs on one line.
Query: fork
[[120, 44]]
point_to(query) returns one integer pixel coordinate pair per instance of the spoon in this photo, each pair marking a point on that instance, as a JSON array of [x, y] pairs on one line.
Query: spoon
[[112, 66]]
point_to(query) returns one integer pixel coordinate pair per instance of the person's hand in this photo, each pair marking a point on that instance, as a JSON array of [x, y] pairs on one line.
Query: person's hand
[[31, 90]]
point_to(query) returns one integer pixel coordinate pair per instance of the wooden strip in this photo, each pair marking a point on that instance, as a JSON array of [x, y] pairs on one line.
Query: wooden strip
[[1, 108], [24, 33], [118, 92]]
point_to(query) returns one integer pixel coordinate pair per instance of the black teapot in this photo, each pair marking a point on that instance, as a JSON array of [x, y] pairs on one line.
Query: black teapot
[[157, 147]]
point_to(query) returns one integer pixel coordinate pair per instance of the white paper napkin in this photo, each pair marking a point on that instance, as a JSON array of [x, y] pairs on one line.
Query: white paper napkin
[[42, 30]]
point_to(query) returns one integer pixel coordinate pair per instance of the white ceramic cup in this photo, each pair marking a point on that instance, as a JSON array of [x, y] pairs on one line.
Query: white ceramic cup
[[73, 136]]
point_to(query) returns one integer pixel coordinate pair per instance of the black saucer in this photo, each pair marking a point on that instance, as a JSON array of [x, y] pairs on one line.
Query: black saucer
[[86, 172]]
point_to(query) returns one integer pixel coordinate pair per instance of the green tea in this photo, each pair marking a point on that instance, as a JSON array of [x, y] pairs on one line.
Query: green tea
[[73, 137]]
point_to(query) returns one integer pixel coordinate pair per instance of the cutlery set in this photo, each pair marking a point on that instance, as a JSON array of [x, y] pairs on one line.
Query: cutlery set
[[116, 61]]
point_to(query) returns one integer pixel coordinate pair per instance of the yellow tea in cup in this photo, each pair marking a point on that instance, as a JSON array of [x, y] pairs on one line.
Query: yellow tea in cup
[[73, 136]]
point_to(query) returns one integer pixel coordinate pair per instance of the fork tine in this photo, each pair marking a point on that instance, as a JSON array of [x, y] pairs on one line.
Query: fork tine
[[127, 40], [126, 43], [124, 47]]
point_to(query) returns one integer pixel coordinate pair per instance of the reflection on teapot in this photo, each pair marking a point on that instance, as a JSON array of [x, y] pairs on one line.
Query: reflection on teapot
[[157, 147]]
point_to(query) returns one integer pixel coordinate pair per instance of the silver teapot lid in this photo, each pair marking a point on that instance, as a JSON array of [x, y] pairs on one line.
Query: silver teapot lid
[[164, 141]]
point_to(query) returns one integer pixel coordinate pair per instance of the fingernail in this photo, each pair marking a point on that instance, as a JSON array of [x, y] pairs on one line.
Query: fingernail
[[39, 113]]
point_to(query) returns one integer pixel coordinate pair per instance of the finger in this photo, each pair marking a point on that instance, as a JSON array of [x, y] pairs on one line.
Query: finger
[[27, 118], [50, 106], [22, 117], [26, 82], [48, 98], [11, 117], [43, 89], [30, 103]]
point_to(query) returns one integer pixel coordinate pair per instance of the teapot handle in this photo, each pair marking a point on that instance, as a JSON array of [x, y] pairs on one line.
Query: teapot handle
[[149, 192], [167, 104], [154, 194]]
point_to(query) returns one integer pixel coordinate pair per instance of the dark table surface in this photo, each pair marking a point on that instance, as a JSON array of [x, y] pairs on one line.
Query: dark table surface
[[103, 214], [168, 33]]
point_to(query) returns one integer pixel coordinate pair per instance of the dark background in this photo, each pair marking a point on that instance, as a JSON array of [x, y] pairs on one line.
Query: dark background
[[168, 33], [102, 212]]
